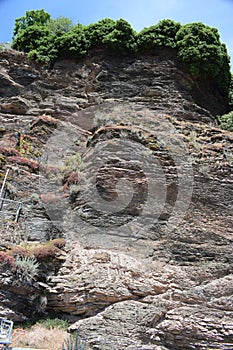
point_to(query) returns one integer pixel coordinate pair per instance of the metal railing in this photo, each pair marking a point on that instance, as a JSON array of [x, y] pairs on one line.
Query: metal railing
[[15, 212]]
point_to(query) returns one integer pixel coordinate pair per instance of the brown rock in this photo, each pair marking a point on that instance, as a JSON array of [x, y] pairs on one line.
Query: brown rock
[[147, 213]]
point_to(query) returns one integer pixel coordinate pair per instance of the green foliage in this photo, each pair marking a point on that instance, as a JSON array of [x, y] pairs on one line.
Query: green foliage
[[31, 38], [231, 93], [161, 34], [73, 42], [96, 33], [197, 45], [74, 343], [122, 39], [60, 25], [200, 48], [116, 35], [38, 41], [37, 17], [46, 52], [226, 121], [52, 323]]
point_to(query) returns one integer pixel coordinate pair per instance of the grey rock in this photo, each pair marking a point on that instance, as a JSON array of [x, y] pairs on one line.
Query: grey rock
[[139, 277]]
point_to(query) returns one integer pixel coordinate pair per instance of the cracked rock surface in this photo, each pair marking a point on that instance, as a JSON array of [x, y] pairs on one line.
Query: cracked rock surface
[[96, 151]]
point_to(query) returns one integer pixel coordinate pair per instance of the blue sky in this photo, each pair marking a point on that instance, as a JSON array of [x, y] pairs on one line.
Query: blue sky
[[140, 13]]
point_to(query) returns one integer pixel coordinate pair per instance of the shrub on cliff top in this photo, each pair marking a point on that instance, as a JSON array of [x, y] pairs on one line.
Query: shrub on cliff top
[[196, 44], [96, 32], [31, 18], [73, 42], [199, 47], [161, 34], [122, 38]]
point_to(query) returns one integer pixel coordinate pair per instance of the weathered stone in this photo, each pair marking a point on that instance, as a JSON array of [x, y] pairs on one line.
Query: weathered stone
[[15, 105], [133, 279]]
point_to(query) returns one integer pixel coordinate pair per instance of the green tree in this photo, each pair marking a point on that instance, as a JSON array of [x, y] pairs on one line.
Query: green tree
[[36, 34], [34, 17], [59, 25], [199, 47], [122, 39], [31, 38], [196, 44], [46, 52], [96, 32], [161, 34], [73, 42]]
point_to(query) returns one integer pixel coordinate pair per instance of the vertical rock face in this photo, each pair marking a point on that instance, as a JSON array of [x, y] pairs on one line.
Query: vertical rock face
[[123, 157], [158, 81]]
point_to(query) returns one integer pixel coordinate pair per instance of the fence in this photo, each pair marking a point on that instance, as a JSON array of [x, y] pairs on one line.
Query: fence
[[9, 208]]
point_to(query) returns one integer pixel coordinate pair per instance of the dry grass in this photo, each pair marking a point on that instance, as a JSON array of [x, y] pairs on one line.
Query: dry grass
[[38, 337]]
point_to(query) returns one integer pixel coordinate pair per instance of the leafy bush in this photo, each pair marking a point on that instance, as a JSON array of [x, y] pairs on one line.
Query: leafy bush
[[73, 42], [226, 121], [197, 45], [161, 34], [36, 34], [60, 25], [200, 48], [117, 35], [122, 39], [45, 52], [31, 38], [26, 268], [31, 18], [96, 32]]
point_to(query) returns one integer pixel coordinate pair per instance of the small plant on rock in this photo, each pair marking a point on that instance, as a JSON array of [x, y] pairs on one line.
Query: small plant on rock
[[53, 323], [74, 343], [26, 268]]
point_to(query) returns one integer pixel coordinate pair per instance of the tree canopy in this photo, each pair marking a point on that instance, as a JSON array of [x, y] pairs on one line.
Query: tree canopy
[[161, 34], [197, 45], [31, 18], [200, 48]]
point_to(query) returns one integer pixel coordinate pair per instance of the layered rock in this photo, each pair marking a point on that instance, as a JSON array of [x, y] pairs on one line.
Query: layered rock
[[133, 171], [158, 81]]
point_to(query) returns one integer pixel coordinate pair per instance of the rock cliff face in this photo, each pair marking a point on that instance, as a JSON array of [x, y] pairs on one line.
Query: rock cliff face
[[123, 158]]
